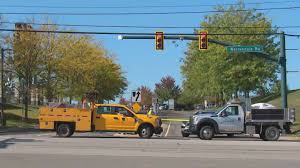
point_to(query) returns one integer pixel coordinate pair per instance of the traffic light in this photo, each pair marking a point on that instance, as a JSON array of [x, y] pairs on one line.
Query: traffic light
[[159, 40], [203, 40]]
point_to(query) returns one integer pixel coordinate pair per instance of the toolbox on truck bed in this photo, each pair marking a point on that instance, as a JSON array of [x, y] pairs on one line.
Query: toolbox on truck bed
[[50, 115]]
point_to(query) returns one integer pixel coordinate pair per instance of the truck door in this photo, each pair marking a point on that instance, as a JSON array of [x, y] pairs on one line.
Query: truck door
[[128, 119], [106, 118], [232, 120]]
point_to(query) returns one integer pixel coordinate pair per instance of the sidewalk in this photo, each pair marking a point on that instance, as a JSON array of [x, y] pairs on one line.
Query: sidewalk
[[9, 130], [290, 138]]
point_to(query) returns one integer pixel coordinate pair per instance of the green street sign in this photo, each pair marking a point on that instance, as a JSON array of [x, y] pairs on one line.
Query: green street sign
[[240, 49]]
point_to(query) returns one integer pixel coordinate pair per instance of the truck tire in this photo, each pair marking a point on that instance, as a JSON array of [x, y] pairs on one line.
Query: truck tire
[[206, 132], [145, 131], [271, 133], [64, 130], [184, 134]]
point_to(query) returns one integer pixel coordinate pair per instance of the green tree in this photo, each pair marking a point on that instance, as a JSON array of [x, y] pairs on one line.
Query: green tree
[[64, 65], [84, 66], [214, 72], [26, 61], [167, 89], [47, 78]]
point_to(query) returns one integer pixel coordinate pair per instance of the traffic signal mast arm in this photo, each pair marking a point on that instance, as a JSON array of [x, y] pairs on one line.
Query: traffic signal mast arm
[[281, 59], [222, 43]]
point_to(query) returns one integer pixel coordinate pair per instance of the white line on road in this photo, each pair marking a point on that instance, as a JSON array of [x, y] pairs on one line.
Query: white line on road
[[168, 129]]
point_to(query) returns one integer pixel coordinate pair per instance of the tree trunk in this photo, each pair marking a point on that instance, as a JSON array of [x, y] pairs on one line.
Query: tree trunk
[[246, 94], [26, 104], [27, 96], [236, 94]]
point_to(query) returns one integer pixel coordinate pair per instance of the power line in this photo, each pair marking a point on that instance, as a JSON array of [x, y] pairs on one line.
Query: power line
[[142, 6], [146, 34], [151, 27], [146, 13]]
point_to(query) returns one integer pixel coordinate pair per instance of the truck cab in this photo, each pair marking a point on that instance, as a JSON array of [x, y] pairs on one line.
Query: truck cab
[[101, 117], [232, 119]]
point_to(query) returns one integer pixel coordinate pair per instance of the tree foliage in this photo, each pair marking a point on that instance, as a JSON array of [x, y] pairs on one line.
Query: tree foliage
[[214, 72], [123, 101], [167, 89], [147, 95], [64, 65], [26, 61]]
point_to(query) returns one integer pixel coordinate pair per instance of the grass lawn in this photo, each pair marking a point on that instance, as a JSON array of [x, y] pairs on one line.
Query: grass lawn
[[293, 102], [14, 117]]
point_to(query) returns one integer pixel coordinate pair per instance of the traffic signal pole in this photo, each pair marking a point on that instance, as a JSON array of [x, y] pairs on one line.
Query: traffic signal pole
[[282, 58]]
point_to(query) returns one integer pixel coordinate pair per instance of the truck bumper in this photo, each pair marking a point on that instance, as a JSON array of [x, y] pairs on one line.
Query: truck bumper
[[193, 129], [185, 128], [158, 130]]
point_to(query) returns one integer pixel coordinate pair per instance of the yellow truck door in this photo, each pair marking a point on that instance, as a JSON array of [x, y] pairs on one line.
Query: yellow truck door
[[107, 119], [128, 119]]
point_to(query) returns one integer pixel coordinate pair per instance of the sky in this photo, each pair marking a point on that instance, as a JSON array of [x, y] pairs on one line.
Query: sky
[[141, 64]]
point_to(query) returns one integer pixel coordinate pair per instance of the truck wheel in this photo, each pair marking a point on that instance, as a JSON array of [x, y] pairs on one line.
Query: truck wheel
[[206, 132], [145, 131], [64, 130], [271, 134], [184, 134]]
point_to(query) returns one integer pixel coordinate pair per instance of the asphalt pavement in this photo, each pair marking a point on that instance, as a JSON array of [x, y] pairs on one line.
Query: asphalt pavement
[[104, 150], [169, 150]]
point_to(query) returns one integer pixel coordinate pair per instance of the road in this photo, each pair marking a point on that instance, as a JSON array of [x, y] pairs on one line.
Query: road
[[169, 150], [37, 150]]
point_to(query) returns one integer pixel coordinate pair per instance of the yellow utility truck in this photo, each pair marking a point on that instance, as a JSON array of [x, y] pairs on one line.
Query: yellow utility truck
[[100, 117]]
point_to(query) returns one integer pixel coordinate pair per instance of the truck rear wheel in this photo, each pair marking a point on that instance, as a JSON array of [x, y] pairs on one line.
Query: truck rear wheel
[[64, 130], [271, 133], [206, 132], [145, 131]]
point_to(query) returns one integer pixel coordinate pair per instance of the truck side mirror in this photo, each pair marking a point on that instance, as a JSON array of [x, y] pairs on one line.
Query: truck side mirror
[[223, 114]]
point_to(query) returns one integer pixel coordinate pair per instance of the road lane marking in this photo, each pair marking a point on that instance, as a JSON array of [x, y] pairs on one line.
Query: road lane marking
[[168, 129], [175, 119]]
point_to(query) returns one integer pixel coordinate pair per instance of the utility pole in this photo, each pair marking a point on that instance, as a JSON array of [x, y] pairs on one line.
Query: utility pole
[[3, 121], [282, 60]]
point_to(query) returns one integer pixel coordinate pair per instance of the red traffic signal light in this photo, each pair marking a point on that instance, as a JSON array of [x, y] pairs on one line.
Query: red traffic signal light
[[159, 40], [203, 41]]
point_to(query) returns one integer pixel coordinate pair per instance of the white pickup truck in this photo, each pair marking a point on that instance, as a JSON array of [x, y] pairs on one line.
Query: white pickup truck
[[232, 119]]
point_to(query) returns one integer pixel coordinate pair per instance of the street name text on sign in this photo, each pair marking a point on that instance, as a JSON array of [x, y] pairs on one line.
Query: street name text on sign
[[252, 48], [136, 96]]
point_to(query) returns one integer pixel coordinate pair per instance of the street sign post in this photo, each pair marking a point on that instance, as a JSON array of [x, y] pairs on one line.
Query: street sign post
[[241, 49]]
